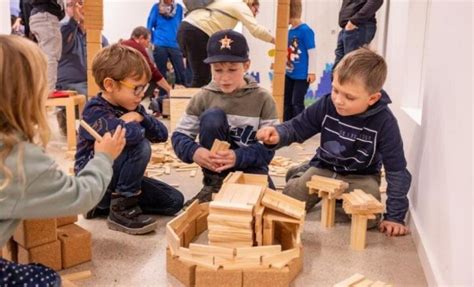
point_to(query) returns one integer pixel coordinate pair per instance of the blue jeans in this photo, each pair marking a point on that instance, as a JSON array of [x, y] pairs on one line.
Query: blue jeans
[[295, 90], [156, 197], [214, 125], [348, 41], [161, 56]]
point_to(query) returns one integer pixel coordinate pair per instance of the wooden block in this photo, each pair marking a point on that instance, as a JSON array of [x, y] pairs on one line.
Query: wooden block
[[378, 284], [35, 232], [200, 260], [9, 251], [280, 61], [179, 99], [61, 221], [201, 249], [364, 283], [252, 252], [219, 145], [295, 266], [48, 254], [283, 15], [350, 281], [189, 233], [184, 272], [208, 278], [284, 204], [358, 232], [286, 234], [166, 107], [77, 276], [266, 277], [281, 259], [281, 41], [201, 223], [174, 241], [328, 212], [94, 36], [76, 245]]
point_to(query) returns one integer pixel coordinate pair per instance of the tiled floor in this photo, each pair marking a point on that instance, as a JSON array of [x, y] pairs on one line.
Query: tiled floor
[[125, 260]]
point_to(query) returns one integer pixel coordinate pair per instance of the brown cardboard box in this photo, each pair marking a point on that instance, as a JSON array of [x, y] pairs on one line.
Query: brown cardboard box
[[207, 277], [266, 277], [61, 221], [76, 245], [48, 254], [184, 272], [35, 232]]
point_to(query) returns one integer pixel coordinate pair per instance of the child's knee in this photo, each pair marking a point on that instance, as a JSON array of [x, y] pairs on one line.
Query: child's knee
[[213, 119]]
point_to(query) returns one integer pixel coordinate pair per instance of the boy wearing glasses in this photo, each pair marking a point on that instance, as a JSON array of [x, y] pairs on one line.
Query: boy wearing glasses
[[123, 74]]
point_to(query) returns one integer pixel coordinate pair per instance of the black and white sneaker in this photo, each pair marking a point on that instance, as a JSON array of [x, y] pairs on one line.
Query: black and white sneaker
[[126, 216]]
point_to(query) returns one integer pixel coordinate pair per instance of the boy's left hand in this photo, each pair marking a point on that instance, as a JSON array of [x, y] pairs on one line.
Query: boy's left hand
[[132, 117], [391, 228], [311, 78], [224, 159]]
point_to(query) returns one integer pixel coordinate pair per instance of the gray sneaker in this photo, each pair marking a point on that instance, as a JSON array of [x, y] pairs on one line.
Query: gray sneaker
[[126, 216]]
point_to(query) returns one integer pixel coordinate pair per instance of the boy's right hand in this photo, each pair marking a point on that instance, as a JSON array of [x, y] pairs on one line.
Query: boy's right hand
[[202, 157], [112, 145], [268, 135]]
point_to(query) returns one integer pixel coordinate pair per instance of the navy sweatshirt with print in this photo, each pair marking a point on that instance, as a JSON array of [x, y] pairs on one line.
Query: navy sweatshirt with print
[[357, 144], [105, 117]]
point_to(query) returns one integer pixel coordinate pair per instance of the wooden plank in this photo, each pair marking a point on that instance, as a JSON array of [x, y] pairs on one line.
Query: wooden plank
[[281, 259], [257, 251], [350, 281], [201, 249], [77, 275], [174, 242], [363, 283], [90, 130], [284, 204]]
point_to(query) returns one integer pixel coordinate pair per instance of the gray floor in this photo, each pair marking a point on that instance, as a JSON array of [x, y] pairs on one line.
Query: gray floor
[[124, 260]]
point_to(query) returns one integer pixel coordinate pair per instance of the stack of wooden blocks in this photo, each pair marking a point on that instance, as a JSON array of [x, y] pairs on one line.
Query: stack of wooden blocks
[[179, 99], [362, 206], [329, 189], [231, 214], [93, 23], [281, 46], [248, 214], [56, 243]]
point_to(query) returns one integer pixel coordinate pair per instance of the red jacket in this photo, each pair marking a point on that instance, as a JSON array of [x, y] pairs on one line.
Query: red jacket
[[155, 74]]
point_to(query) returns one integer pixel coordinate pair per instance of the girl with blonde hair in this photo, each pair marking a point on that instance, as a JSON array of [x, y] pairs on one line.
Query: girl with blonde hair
[[31, 184]]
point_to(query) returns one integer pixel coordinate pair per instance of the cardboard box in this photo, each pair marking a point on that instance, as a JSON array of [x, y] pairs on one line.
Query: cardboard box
[[184, 272], [35, 232], [76, 244], [48, 254], [61, 221], [207, 277], [266, 277]]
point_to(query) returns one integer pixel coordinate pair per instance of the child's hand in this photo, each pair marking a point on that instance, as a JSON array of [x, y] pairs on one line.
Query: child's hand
[[224, 159], [268, 135], [391, 228], [112, 145], [202, 157], [132, 117], [311, 78]]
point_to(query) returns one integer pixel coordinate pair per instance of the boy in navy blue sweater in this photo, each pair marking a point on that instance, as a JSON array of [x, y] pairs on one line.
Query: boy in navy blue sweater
[[359, 133], [123, 75]]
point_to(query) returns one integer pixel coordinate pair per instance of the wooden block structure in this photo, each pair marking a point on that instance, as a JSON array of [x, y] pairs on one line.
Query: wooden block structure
[[42, 241], [70, 103], [233, 257], [9, 250], [93, 23], [361, 206], [329, 190], [179, 99], [359, 280], [166, 108]]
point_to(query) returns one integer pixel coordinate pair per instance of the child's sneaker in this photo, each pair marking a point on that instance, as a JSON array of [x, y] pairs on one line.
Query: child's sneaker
[[126, 216]]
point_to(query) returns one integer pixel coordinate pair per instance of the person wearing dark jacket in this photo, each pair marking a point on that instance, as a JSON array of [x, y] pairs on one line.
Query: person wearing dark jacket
[[358, 132], [358, 23]]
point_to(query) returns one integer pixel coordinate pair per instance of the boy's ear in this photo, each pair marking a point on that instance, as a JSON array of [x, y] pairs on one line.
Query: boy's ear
[[109, 84], [374, 98], [246, 66]]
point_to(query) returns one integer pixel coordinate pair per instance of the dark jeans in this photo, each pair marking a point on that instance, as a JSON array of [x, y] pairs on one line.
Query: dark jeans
[[193, 44], [214, 125], [295, 90], [161, 56], [156, 197], [348, 41]]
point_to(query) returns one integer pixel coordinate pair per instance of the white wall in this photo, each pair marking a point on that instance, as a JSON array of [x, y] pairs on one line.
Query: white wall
[[437, 69], [5, 17]]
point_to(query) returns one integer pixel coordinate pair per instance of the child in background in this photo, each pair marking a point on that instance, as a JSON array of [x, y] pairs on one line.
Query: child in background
[[301, 63], [31, 184], [122, 74], [231, 108], [359, 133]]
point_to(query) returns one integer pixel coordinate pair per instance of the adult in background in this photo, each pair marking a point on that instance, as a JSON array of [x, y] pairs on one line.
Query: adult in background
[[358, 23], [140, 40], [199, 24], [72, 67], [163, 23]]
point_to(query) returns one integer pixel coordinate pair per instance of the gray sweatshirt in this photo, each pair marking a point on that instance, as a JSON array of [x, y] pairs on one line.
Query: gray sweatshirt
[[45, 190]]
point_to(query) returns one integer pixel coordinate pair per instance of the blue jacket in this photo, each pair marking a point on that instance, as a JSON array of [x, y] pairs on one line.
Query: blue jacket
[[164, 30], [357, 144], [104, 117]]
